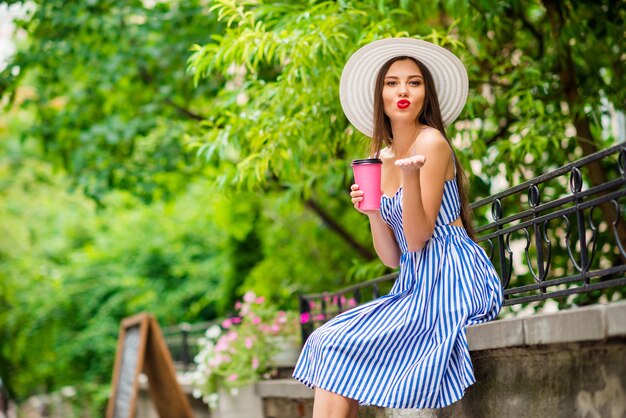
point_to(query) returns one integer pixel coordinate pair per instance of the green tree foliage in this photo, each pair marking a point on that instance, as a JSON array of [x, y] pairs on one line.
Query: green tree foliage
[[539, 95], [530, 64], [69, 273], [111, 98]]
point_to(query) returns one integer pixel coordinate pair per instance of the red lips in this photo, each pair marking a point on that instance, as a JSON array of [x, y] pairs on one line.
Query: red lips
[[403, 104]]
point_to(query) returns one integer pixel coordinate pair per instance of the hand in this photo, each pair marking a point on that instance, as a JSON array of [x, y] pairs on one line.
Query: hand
[[411, 163], [357, 197]]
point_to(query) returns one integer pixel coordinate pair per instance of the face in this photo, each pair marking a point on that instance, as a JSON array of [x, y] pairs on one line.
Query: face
[[403, 91]]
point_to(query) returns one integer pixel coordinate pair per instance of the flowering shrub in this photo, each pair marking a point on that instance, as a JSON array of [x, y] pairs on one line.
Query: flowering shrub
[[240, 351], [315, 313]]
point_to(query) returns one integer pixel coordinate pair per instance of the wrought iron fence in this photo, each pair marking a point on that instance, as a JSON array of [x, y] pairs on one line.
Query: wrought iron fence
[[556, 235], [181, 339]]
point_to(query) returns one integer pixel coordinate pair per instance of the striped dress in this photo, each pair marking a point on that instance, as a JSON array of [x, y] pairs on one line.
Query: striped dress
[[408, 349]]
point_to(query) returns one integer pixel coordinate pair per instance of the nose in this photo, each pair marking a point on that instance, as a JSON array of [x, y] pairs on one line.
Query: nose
[[402, 90]]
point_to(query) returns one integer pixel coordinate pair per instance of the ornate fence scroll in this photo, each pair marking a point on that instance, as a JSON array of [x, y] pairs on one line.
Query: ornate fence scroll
[[556, 235]]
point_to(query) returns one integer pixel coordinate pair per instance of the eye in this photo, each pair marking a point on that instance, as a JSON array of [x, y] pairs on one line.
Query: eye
[[391, 83], [415, 83]]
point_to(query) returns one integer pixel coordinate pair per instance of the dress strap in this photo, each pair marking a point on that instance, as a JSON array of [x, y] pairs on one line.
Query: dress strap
[[453, 163]]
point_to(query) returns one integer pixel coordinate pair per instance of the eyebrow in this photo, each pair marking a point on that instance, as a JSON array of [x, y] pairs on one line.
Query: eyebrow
[[411, 76]]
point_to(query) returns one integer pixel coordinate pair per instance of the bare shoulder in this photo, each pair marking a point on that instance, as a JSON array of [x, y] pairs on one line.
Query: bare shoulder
[[431, 142]]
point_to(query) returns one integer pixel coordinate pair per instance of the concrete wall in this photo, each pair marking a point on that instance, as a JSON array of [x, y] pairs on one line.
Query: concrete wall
[[567, 364]]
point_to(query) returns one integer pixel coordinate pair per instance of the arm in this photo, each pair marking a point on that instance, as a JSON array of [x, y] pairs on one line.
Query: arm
[[384, 241], [423, 187]]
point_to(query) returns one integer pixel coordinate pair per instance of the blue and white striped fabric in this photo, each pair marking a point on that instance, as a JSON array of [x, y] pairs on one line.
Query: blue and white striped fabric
[[408, 349]]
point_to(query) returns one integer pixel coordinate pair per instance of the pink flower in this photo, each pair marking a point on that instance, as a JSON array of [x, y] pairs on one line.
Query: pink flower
[[236, 320], [249, 342], [260, 300], [304, 317], [256, 320], [264, 328], [249, 297], [319, 317], [237, 305], [281, 320], [311, 305], [244, 310], [232, 377], [342, 299], [222, 344], [232, 335], [275, 328], [281, 314], [351, 302], [255, 363], [227, 323]]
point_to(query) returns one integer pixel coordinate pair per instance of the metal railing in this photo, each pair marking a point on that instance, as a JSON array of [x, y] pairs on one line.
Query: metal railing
[[181, 339], [541, 250]]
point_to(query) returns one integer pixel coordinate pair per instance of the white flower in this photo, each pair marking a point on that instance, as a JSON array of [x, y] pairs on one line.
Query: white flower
[[242, 99], [68, 391], [213, 332], [211, 400]]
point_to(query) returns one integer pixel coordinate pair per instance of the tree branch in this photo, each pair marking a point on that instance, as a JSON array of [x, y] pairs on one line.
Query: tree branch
[[364, 252], [184, 111], [533, 30], [584, 137], [501, 132]]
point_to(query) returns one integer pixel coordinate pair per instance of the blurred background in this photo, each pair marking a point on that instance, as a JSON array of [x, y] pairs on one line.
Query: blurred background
[[169, 156]]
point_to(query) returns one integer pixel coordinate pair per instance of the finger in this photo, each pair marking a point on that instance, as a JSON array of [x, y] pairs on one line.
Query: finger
[[401, 163], [416, 159], [409, 163], [354, 187]]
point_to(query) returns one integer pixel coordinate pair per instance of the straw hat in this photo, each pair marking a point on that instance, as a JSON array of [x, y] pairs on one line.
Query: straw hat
[[356, 88]]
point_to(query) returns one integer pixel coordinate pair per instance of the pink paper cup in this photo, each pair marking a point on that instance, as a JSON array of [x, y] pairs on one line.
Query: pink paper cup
[[367, 176]]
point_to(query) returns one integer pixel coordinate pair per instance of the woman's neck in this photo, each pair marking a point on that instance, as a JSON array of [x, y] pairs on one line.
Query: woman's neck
[[404, 135]]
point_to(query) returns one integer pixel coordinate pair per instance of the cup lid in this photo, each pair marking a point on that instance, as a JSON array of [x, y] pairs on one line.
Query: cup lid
[[367, 161]]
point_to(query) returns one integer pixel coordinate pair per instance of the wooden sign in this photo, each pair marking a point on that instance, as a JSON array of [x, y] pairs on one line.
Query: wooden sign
[[141, 348]]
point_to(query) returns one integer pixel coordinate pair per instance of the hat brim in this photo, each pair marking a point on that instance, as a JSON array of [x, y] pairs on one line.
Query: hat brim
[[356, 88]]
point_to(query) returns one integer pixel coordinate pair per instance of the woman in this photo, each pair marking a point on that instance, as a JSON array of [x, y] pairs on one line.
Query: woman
[[407, 349]]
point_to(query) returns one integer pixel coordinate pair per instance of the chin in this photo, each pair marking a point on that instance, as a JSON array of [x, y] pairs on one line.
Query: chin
[[403, 117]]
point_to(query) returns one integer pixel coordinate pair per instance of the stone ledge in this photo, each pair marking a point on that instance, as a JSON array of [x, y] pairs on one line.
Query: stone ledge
[[616, 319], [283, 388], [593, 323], [573, 325], [496, 334], [583, 379]]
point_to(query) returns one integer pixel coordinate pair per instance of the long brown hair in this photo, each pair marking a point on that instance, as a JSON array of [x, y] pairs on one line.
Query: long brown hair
[[430, 115]]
